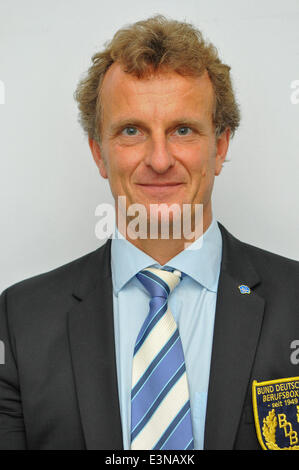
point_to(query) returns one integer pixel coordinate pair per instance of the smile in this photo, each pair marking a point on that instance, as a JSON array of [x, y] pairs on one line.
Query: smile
[[161, 189]]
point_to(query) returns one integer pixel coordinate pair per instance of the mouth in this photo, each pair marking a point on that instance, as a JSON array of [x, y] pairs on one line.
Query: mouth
[[160, 189]]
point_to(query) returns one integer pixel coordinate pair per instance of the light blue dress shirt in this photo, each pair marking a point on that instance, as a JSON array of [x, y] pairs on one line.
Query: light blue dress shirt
[[192, 303]]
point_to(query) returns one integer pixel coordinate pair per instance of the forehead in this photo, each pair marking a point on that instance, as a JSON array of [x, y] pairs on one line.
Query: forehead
[[157, 95]]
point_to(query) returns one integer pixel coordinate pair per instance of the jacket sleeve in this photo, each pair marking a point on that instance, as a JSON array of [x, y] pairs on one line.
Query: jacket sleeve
[[12, 428]]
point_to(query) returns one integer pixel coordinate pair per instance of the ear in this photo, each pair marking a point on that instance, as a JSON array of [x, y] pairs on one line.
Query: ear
[[98, 157], [222, 148]]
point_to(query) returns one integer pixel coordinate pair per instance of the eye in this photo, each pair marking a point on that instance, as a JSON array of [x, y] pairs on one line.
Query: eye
[[183, 130], [130, 131]]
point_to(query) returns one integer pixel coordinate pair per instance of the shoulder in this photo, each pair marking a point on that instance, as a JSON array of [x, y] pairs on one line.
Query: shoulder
[[269, 266], [268, 261], [58, 282], [259, 254]]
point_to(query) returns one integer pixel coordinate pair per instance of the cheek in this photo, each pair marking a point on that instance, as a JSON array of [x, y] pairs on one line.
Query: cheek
[[209, 161], [121, 166], [123, 158], [202, 163], [208, 169]]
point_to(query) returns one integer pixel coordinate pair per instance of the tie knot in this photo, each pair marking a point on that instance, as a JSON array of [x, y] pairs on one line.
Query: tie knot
[[159, 282]]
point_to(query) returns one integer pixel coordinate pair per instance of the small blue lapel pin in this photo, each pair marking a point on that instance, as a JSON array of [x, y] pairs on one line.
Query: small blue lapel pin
[[244, 289]]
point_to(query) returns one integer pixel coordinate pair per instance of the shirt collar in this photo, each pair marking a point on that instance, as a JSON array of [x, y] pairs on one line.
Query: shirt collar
[[201, 260]]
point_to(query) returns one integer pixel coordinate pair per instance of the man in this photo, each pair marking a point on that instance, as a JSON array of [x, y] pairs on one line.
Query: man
[[81, 366]]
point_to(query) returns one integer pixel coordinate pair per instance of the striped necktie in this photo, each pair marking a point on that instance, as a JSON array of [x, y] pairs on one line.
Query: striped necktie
[[160, 406]]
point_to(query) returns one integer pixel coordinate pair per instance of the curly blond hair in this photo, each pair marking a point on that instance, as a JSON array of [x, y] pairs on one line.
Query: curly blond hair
[[147, 46]]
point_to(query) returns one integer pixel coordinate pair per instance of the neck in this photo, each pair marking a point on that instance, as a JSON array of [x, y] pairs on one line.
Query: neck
[[161, 249]]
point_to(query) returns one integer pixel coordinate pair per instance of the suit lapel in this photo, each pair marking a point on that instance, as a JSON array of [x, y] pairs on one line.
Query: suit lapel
[[237, 327], [91, 336]]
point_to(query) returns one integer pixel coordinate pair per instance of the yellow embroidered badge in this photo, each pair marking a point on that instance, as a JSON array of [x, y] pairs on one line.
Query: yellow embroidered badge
[[276, 413]]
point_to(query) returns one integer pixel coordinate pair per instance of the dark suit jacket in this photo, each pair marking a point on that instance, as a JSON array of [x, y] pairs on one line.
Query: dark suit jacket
[[58, 386]]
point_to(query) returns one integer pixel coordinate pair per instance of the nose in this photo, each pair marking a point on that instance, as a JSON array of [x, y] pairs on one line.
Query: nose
[[159, 156]]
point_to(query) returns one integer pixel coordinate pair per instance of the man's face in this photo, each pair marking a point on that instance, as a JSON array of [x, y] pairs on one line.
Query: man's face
[[158, 143]]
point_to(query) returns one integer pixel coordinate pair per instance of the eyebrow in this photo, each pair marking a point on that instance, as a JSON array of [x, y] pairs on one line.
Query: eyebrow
[[184, 121]]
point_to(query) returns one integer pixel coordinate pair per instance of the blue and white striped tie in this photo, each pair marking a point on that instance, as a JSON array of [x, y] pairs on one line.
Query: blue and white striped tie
[[160, 406]]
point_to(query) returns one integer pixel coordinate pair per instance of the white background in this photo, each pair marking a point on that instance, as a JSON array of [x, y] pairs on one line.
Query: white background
[[49, 183]]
